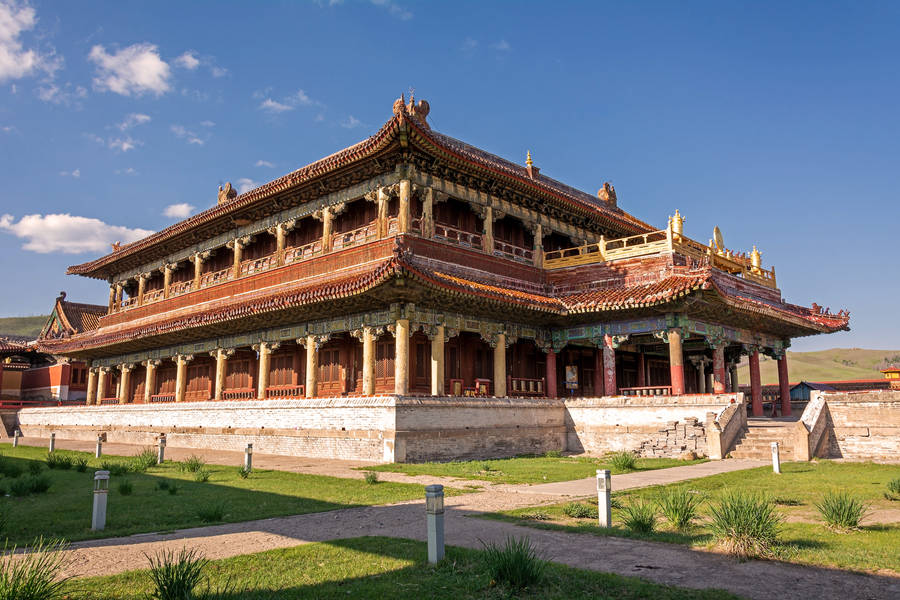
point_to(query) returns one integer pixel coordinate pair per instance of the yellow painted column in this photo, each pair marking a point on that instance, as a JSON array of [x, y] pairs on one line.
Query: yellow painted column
[[181, 362], [538, 245], [167, 278], [312, 366], [279, 244], [265, 350], [125, 383], [488, 237], [112, 298], [150, 379], [101, 383], [500, 366], [437, 362], [404, 217], [381, 224], [238, 248], [368, 376], [120, 290], [326, 228], [198, 269], [401, 357], [428, 214], [142, 283], [91, 387], [221, 355]]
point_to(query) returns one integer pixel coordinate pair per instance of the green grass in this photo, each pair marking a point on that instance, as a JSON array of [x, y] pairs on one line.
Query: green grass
[[527, 469], [65, 509], [376, 567], [804, 536]]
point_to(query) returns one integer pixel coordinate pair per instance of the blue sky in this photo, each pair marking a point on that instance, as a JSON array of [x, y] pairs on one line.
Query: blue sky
[[777, 122]]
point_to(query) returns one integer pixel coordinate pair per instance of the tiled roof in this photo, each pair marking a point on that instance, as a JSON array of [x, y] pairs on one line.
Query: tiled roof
[[82, 317], [389, 132], [8, 348]]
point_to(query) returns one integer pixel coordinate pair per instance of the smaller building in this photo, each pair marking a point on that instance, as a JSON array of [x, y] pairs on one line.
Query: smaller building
[[892, 374], [801, 391]]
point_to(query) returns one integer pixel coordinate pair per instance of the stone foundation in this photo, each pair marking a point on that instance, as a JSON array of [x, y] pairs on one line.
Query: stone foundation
[[861, 425], [675, 439]]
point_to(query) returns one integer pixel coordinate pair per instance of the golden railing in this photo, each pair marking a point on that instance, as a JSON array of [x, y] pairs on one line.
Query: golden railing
[[657, 242]]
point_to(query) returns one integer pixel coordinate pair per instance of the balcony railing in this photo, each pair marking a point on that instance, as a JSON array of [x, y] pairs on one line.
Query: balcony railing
[[216, 277], [518, 253], [521, 386], [457, 236], [162, 398], [656, 242], [360, 235], [296, 253], [257, 265], [286, 391], [239, 394], [650, 390], [108, 401], [182, 287], [154, 295], [129, 302]]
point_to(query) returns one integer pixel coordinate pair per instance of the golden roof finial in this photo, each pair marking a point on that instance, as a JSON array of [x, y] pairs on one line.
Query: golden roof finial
[[528, 161]]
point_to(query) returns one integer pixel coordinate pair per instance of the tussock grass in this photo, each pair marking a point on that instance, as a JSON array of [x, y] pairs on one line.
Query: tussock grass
[[35, 575], [842, 511], [623, 461], [371, 477], [515, 563], [893, 487], [639, 516], [679, 506], [579, 510], [125, 487], [192, 464], [745, 524], [212, 513]]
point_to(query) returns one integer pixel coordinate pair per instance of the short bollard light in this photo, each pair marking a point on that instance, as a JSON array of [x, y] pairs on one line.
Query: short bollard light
[[434, 512], [98, 451], [604, 505], [101, 491], [16, 438], [776, 459], [248, 458], [52, 442], [161, 452]]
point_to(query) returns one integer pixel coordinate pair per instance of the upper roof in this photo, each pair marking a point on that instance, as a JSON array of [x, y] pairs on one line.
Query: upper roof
[[69, 318], [407, 125]]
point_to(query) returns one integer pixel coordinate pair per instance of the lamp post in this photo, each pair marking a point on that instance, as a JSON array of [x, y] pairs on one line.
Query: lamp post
[[434, 511], [98, 450], [604, 489], [101, 491], [16, 438], [248, 458], [52, 442], [161, 452], [776, 459]]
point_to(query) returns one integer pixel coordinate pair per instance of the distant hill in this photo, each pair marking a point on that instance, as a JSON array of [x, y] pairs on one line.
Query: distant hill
[[825, 365], [29, 327]]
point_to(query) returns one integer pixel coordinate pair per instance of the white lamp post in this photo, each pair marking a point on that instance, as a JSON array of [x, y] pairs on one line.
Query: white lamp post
[[98, 451], [776, 459], [16, 438], [161, 452], [248, 458], [52, 442], [604, 489], [101, 491], [434, 511]]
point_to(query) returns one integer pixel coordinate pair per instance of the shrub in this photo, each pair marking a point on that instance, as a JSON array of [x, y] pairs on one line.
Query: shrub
[[486, 467], [553, 454], [116, 469], [745, 524], [173, 489], [33, 576], [35, 484], [639, 516], [34, 467], [212, 512], [244, 472], [841, 510], [191, 464], [144, 460], [679, 506], [10, 469], [176, 575], [55, 460], [623, 461], [202, 476], [80, 463], [578, 510], [535, 515], [893, 489], [371, 477], [125, 487], [614, 502], [516, 563], [162, 484]]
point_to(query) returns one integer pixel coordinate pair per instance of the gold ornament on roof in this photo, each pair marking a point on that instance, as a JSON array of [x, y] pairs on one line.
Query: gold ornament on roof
[[719, 241], [677, 223], [528, 161], [755, 260]]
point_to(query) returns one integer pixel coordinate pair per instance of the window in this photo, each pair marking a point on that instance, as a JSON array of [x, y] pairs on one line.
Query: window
[[281, 370], [237, 374]]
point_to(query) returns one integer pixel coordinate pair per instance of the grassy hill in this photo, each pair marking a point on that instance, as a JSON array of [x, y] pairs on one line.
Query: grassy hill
[[23, 326], [825, 365]]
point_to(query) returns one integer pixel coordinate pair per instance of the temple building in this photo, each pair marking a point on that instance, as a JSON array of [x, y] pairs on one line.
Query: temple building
[[413, 264]]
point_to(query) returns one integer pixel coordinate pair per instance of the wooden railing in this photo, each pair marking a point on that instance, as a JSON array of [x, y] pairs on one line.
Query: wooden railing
[[215, 277], [360, 235], [239, 394], [521, 386], [507, 250], [257, 265], [656, 242], [650, 390], [182, 287], [154, 295], [129, 302], [457, 236], [162, 398], [286, 391], [108, 401], [296, 253]]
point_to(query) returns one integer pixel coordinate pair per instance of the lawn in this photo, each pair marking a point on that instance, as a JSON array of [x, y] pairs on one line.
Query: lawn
[[804, 537], [374, 567], [65, 509], [526, 469]]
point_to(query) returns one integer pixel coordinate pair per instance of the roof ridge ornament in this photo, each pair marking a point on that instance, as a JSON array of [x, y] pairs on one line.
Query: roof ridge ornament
[[227, 193], [533, 171], [607, 194], [417, 110]]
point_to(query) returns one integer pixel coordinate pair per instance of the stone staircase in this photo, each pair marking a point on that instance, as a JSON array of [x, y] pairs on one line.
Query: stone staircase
[[756, 443]]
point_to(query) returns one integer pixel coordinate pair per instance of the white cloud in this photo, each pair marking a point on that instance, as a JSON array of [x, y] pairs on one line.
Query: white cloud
[[137, 69], [207, 123], [68, 94], [188, 61], [274, 107], [218, 71], [15, 60], [124, 144], [133, 120], [263, 163], [178, 211], [502, 46], [394, 9], [469, 45], [181, 132], [76, 173], [128, 171], [245, 184], [68, 234], [8, 128], [351, 122]]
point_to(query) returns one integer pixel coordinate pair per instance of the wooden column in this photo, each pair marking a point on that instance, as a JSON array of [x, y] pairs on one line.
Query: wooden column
[[312, 365], [598, 371], [676, 362], [167, 278], [437, 362], [221, 355], [381, 220], [181, 362], [112, 298], [551, 373], [784, 386], [368, 375], [719, 385], [538, 245], [125, 382], [487, 238], [610, 387], [401, 357], [755, 387], [237, 245], [142, 284], [150, 379], [198, 269], [404, 217], [500, 366], [120, 291], [265, 350], [279, 244], [641, 370], [701, 375], [91, 387], [101, 383], [735, 387], [428, 218]]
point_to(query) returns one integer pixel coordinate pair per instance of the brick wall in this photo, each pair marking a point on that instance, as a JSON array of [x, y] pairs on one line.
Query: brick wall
[[863, 425]]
